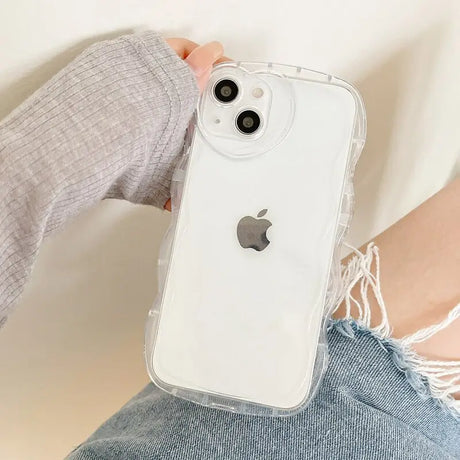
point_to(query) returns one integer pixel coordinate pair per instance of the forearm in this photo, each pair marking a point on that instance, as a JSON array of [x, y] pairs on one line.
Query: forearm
[[107, 126], [420, 273]]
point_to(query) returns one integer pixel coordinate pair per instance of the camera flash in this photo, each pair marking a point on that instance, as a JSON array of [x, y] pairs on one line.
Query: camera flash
[[257, 92]]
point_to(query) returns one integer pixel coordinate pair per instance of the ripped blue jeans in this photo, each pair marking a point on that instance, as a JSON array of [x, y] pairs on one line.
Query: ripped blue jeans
[[377, 400]]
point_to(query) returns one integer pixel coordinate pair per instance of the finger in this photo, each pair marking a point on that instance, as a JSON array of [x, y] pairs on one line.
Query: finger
[[182, 46], [167, 205], [203, 57], [202, 80], [223, 59]]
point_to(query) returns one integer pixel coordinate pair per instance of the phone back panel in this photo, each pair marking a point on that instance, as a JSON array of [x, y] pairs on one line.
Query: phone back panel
[[245, 323]]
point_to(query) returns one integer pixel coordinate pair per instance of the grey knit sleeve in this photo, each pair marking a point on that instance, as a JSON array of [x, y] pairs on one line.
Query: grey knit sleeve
[[109, 125]]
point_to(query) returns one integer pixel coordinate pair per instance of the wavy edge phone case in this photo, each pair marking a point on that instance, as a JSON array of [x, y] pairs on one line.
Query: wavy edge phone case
[[339, 225]]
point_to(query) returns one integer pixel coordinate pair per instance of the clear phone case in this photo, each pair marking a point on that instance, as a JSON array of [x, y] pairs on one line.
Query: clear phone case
[[250, 266]]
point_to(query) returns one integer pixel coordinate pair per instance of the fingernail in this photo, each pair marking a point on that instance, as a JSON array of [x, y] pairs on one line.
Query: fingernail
[[218, 49]]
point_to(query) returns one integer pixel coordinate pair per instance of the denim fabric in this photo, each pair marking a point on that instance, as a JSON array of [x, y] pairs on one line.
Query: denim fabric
[[365, 408]]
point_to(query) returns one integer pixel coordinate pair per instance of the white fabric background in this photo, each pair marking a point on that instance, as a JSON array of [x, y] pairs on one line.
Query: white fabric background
[[72, 353]]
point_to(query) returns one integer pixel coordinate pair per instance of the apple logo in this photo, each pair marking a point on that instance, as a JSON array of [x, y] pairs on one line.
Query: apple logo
[[252, 232]]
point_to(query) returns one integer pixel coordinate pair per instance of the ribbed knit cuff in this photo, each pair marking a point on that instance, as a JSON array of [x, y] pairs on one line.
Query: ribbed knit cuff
[[180, 85]]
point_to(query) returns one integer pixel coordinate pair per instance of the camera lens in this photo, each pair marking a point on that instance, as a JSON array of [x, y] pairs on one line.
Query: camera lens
[[248, 122], [226, 90]]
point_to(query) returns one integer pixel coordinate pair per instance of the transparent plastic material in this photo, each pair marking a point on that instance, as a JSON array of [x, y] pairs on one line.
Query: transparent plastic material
[[250, 266]]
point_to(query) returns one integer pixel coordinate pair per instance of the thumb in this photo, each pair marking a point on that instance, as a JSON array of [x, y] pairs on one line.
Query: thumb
[[201, 60]]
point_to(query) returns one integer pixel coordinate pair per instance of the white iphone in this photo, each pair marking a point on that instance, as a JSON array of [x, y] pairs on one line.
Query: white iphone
[[263, 206]]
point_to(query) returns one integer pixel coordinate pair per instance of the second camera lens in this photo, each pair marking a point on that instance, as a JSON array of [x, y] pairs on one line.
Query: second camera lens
[[248, 122], [226, 90]]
